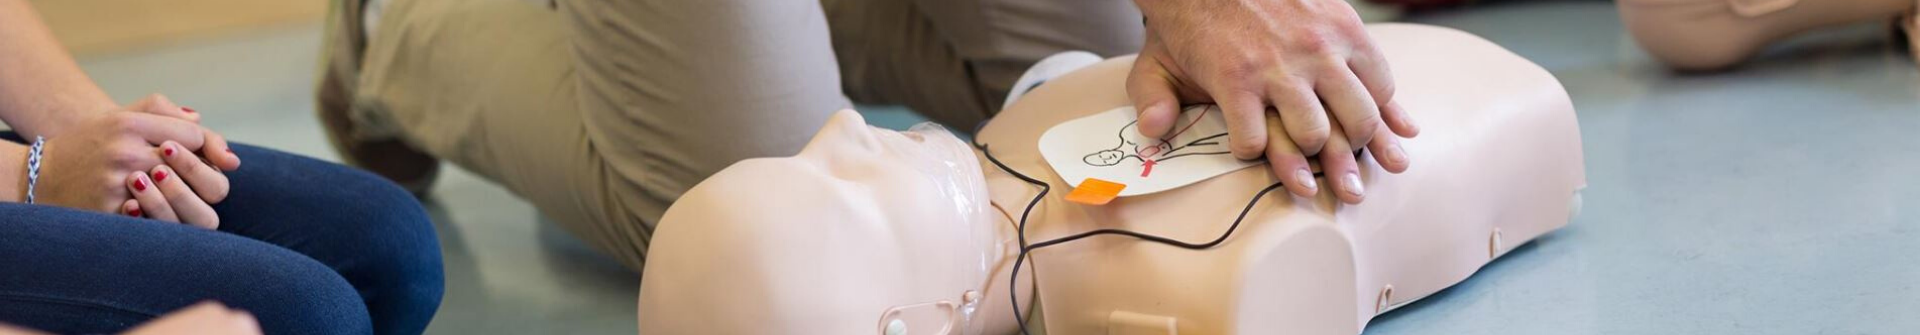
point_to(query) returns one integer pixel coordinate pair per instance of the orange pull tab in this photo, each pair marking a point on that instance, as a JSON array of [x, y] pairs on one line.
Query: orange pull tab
[[1095, 192]]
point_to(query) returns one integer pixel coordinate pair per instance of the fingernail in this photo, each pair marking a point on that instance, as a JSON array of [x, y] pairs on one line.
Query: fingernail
[[1353, 185], [135, 213], [139, 185], [1396, 154], [1306, 180], [159, 176], [188, 109], [167, 151]]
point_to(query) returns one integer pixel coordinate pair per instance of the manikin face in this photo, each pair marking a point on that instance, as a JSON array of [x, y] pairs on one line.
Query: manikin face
[[872, 230]]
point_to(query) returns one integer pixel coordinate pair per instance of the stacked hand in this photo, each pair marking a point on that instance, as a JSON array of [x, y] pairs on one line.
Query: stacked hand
[[1295, 78], [151, 159]]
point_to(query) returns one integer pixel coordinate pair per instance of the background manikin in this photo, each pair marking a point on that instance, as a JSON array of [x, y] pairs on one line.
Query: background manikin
[[866, 225], [1715, 34]]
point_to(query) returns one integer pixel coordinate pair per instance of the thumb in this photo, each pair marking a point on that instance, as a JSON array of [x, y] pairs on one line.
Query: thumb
[[1151, 89]]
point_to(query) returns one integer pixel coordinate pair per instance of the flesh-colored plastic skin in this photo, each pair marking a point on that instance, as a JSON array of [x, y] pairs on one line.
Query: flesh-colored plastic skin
[[863, 223], [828, 241], [1715, 34], [1499, 149]]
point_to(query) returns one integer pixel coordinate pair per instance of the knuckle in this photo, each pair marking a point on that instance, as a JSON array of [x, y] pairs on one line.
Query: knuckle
[[1382, 89], [1246, 65], [128, 158], [179, 197], [215, 192], [1247, 145], [111, 184], [214, 196], [1311, 139], [186, 165], [1362, 121], [1309, 131], [121, 122], [177, 193], [1308, 112], [152, 100], [1313, 41], [1331, 67]]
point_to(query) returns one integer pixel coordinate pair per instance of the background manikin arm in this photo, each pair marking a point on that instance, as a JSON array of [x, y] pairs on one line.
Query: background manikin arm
[[1717, 34]]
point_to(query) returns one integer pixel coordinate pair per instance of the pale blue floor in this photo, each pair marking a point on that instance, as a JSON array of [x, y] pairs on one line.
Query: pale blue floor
[[1778, 199]]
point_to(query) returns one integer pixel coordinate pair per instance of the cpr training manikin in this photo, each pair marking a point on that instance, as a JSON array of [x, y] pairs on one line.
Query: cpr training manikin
[[874, 231]]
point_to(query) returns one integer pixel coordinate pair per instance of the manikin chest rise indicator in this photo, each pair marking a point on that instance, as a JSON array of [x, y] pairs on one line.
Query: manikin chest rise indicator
[[1107, 146]]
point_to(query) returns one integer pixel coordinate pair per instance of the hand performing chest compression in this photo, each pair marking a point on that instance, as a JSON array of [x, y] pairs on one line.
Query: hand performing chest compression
[[1295, 78]]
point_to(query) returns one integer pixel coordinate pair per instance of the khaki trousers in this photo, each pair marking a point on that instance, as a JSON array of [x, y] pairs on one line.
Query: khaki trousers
[[603, 112]]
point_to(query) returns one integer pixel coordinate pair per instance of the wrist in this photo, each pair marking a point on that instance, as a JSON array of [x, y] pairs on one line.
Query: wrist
[[55, 119], [13, 172]]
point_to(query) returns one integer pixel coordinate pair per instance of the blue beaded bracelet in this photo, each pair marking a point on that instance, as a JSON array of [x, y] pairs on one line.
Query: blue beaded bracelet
[[33, 165]]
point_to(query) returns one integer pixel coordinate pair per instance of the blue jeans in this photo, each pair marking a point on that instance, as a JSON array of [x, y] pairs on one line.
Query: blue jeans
[[308, 247]]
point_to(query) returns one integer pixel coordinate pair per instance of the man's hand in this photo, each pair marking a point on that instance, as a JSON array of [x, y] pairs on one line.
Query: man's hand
[[1295, 78]]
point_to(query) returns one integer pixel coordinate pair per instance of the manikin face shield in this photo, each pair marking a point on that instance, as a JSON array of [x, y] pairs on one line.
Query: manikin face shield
[[949, 164]]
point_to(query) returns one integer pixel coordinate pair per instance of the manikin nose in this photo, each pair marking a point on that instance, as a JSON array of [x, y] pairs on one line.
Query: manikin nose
[[849, 125]]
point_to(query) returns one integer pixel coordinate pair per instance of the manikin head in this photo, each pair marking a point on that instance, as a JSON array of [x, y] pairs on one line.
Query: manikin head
[[872, 230]]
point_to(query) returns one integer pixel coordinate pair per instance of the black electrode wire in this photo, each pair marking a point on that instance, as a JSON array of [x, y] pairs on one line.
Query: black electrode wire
[[1021, 230]]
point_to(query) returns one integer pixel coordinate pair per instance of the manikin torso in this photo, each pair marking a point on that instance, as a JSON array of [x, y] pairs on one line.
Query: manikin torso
[[837, 240], [1497, 164]]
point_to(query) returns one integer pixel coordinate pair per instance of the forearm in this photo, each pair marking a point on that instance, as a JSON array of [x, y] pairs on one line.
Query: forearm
[[40, 85], [13, 171]]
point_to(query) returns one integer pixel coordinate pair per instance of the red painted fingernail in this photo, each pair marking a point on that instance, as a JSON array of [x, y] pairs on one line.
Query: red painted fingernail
[[188, 109], [139, 185], [134, 213], [167, 151], [159, 176]]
